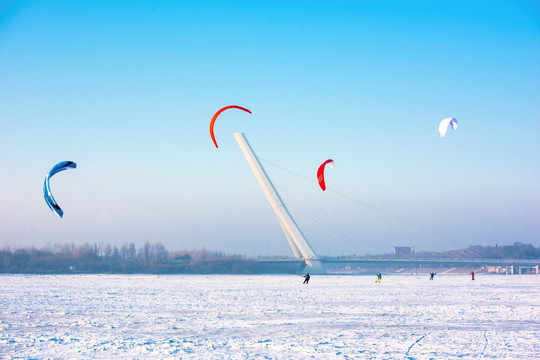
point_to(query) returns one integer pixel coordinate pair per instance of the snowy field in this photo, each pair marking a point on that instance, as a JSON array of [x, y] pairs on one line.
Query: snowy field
[[269, 317]]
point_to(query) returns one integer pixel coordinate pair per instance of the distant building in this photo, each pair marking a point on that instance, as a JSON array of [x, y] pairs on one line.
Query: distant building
[[403, 251], [179, 257]]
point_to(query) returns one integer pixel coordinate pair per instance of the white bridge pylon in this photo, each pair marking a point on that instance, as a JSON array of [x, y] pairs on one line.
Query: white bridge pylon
[[300, 247]]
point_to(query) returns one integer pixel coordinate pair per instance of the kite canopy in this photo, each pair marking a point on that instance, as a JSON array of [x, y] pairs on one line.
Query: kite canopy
[[320, 173], [443, 126], [217, 114], [49, 199]]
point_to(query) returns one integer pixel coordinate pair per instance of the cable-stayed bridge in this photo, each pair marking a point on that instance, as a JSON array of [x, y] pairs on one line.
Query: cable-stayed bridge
[[350, 227]]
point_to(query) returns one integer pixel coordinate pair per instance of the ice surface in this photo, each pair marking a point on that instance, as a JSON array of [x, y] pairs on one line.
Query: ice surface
[[271, 317]]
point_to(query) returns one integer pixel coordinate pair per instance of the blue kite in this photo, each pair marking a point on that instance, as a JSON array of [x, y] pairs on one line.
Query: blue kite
[[49, 199]]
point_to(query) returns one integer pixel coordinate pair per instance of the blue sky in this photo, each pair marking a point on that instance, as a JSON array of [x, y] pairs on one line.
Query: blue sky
[[127, 90]]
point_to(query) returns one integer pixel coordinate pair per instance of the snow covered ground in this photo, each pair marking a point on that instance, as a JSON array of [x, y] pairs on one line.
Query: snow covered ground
[[273, 317]]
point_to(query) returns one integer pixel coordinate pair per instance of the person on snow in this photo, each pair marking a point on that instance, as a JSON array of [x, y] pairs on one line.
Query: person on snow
[[307, 277], [431, 275], [472, 274], [379, 277]]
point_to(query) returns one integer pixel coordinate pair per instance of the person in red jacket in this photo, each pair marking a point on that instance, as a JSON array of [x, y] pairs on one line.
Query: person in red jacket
[[472, 274]]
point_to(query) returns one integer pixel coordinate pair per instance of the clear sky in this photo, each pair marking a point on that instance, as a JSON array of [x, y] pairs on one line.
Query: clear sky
[[127, 91]]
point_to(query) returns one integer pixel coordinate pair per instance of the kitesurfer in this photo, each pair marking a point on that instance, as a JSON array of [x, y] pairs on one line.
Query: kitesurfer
[[431, 275], [379, 277], [472, 275], [307, 277]]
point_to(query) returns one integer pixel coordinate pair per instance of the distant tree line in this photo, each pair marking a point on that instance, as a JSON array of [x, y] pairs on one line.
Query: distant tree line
[[105, 258], [154, 258], [506, 252], [516, 251]]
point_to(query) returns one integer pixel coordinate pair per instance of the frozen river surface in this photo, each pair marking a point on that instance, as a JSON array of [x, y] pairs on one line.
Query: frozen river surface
[[269, 317]]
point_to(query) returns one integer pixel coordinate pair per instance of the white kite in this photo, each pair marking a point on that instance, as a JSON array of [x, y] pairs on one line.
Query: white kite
[[443, 126]]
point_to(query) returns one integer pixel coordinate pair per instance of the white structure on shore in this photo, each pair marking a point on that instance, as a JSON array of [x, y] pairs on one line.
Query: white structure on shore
[[300, 247]]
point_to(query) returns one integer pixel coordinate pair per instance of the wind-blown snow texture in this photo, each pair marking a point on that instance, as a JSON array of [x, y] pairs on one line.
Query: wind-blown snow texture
[[275, 317]]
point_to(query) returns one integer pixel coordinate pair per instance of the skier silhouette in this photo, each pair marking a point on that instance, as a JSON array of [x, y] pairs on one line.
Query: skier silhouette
[[431, 276], [307, 277], [472, 274], [379, 277]]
